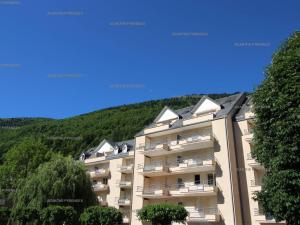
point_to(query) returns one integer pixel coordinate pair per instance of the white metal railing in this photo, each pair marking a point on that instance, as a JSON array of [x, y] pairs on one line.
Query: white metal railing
[[124, 201], [125, 167], [198, 213], [99, 186], [152, 189], [190, 162], [124, 183], [99, 172], [182, 140]]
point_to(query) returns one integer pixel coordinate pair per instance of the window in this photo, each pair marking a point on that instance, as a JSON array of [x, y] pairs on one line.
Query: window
[[180, 183], [179, 159], [210, 179], [197, 179], [104, 180], [178, 138]]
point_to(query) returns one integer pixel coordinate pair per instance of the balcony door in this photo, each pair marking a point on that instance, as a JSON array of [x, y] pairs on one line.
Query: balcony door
[[197, 179]]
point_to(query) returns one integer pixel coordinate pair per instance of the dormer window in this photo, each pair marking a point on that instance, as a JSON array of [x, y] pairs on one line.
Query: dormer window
[[116, 150], [166, 116], [124, 148], [205, 106]]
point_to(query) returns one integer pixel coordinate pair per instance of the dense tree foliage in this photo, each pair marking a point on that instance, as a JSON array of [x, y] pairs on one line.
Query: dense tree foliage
[[73, 135], [4, 215], [26, 216], [58, 215], [163, 214], [61, 181], [96, 215], [20, 162], [276, 134]]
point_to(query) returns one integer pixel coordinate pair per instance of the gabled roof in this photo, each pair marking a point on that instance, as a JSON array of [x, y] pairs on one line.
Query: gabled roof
[[91, 153], [227, 104], [201, 101], [163, 111], [102, 143]]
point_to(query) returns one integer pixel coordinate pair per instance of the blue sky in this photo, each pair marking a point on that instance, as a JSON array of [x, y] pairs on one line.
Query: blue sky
[[64, 58]]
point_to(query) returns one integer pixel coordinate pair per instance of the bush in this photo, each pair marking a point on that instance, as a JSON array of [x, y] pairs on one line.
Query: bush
[[163, 214], [24, 216], [96, 215], [58, 215], [4, 215]]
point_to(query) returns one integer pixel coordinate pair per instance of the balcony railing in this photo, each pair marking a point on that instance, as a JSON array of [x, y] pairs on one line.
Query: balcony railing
[[183, 143], [124, 202], [124, 184], [180, 166], [126, 168], [100, 187], [179, 189], [255, 183], [203, 214], [192, 164], [185, 189], [99, 173]]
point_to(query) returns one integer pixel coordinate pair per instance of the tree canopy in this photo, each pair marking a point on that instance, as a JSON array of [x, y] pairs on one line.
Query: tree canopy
[[61, 181], [276, 134], [96, 215], [20, 162], [163, 214]]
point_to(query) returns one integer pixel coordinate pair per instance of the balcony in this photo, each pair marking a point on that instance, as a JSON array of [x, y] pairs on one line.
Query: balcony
[[152, 170], [126, 169], [178, 190], [102, 201], [248, 137], [261, 217], [191, 166], [184, 190], [152, 192], [188, 143], [253, 163], [125, 184], [124, 202], [99, 173], [255, 185], [203, 215], [100, 187]]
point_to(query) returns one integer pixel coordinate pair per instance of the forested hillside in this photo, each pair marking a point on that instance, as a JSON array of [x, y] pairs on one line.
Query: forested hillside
[[73, 135]]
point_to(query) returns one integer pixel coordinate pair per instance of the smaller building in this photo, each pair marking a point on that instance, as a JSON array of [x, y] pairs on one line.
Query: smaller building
[[110, 166]]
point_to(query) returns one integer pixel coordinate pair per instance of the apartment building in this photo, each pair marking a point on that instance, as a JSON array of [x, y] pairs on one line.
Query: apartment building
[[198, 156], [110, 166]]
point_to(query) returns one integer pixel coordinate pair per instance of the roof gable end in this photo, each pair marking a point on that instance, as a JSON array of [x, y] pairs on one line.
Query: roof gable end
[[205, 105], [104, 146], [165, 115]]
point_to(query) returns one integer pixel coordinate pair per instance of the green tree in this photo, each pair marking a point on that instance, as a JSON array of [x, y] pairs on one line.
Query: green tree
[[61, 181], [19, 162], [276, 135], [96, 215], [26, 216], [4, 215], [58, 215], [163, 214]]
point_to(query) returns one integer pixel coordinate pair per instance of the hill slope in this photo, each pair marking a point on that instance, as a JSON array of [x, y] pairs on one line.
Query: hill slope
[[73, 135]]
